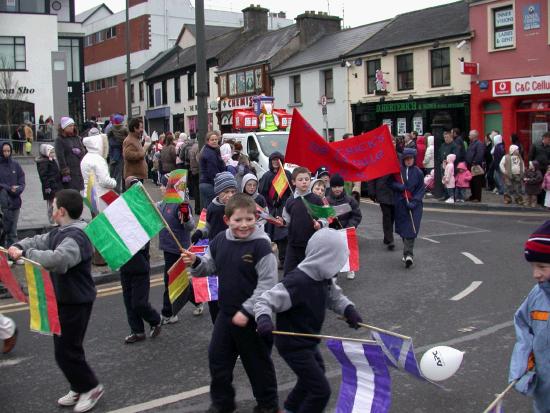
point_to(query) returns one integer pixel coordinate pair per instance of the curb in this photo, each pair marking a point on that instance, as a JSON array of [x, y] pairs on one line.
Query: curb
[[109, 277], [481, 207]]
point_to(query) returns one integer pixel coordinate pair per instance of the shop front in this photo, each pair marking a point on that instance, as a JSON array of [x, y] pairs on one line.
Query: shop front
[[513, 106], [420, 115], [158, 120], [225, 114]]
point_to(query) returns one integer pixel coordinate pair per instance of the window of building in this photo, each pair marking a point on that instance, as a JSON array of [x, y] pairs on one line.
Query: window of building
[[88, 40], [405, 79], [190, 86], [99, 37], [296, 93], [492, 116], [140, 91], [164, 86], [110, 32], [372, 67], [132, 98], [23, 6], [441, 67], [328, 89], [151, 93], [71, 47], [223, 85], [177, 89], [330, 135], [12, 53], [503, 27]]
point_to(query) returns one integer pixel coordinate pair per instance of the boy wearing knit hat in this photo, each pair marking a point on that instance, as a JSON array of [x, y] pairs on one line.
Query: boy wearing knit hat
[[225, 186], [530, 363]]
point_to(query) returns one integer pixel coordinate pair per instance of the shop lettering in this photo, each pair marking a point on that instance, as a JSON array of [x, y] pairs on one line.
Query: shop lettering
[[21, 90], [526, 87], [414, 106]]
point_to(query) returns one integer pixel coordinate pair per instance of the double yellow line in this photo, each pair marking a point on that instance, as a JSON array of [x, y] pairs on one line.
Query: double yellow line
[[103, 292]]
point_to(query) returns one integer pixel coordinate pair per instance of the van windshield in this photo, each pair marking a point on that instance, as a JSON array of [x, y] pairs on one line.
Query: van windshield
[[271, 142]]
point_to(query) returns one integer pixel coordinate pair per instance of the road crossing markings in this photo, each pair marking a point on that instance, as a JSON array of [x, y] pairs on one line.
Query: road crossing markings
[[474, 259], [430, 240], [468, 290]]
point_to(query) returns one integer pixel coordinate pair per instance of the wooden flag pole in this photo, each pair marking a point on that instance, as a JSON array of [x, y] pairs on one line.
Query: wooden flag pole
[[381, 330], [321, 336], [163, 220], [407, 198], [500, 396], [22, 258]]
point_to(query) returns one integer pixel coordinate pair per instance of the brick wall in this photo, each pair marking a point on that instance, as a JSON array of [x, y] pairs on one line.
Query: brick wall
[[112, 100], [140, 39]]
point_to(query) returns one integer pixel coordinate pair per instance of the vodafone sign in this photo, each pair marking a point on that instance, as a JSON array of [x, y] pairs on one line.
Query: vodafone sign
[[535, 85]]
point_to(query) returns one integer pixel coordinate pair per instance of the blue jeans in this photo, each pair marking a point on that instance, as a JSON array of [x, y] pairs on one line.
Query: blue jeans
[[207, 194], [499, 182], [459, 193], [449, 193]]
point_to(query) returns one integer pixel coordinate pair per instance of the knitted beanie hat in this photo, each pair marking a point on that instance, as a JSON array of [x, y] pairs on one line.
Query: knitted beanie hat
[[224, 180], [537, 247], [66, 121], [336, 180]]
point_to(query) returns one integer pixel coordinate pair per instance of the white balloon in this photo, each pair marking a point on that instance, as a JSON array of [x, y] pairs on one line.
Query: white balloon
[[440, 363]]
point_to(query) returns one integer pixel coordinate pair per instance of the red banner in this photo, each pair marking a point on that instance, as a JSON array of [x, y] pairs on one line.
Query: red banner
[[361, 158]]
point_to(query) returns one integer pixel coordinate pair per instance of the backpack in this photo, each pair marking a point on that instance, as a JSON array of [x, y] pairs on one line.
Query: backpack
[[184, 155]]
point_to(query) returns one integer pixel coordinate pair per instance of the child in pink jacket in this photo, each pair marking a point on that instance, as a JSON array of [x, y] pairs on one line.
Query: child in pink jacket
[[462, 181], [546, 187], [449, 178]]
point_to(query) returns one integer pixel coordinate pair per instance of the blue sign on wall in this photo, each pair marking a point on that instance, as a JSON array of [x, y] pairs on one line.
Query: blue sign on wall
[[531, 17]]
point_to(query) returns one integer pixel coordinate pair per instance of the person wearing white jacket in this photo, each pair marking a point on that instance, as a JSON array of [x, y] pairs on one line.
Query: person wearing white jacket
[[95, 162], [429, 155]]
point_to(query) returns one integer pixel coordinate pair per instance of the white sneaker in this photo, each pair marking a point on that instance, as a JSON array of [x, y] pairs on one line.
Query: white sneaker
[[450, 201], [70, 399], [169, 320], [89, 399], [10, 263], [20, 261], [351, 275], [198, 309]]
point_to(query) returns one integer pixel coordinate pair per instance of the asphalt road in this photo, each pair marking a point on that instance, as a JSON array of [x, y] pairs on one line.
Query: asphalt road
[[170, 373]]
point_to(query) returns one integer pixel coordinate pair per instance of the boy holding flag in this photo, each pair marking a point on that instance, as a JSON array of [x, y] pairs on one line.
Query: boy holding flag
[[67, 253]]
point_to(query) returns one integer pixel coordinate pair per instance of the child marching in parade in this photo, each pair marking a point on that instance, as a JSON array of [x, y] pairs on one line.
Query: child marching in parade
[[246, 267]]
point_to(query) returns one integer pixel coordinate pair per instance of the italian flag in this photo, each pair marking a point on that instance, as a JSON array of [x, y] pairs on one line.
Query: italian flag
[[125, 226], [350, 237]]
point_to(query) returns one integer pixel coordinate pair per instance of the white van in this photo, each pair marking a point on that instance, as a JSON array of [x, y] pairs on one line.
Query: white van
[[258, 146]]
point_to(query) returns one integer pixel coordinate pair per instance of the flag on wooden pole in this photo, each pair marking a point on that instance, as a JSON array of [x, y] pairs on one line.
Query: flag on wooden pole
[[205, 289], [319, 211], [10, 282], [280, 182], [91, 200], [202, 220], [350, 237], [175, 189], [178, 285], [42, 302]]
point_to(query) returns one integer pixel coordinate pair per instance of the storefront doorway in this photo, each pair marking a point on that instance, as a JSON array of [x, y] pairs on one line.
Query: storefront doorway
[[533, 120]]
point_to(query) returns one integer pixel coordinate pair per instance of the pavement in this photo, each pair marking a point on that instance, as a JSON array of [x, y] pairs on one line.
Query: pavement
[[468, 279]]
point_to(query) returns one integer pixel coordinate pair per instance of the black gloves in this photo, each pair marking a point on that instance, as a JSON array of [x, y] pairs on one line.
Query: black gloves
[[352, 317], [264, 325], [197, 235]]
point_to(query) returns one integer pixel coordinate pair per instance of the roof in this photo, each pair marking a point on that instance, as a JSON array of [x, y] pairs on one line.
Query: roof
[[181, 58], [85, 15], [439, 22], [209, 31], [331, 47], [149, 63], [261, 48]]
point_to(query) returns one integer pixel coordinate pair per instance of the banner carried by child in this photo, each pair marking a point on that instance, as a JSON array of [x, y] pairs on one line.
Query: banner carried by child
[[8, 279], [362, 158]]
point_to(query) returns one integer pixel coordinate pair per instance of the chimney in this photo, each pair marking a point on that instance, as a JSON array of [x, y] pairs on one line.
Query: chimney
[[313, 26], [255, 19]]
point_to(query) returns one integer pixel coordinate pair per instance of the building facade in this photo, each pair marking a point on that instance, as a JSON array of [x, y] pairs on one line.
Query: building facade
[[512, 46], [39, 40], [409, 74]]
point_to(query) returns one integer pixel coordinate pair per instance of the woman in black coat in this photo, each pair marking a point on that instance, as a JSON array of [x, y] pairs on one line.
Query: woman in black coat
[[69, 151], [49, 175]]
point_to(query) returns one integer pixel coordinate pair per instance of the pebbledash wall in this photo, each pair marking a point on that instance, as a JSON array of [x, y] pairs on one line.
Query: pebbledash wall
[[40, 34], [512, 46]]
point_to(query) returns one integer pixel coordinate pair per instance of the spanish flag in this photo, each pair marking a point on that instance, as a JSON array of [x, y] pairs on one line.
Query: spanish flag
[[280, 182]]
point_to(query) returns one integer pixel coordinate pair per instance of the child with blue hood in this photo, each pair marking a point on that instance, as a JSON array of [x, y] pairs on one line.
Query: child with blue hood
[[530, 363], [300, 301], [408, 195]]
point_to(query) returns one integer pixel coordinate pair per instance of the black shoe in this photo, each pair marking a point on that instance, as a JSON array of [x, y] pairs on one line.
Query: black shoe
[[408, 261], [215, 409], [391, 247], [134, 338], [259, 409], [155, 330]]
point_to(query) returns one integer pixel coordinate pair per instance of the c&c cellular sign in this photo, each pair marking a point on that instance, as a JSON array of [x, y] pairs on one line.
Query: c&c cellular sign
[[535, 85]]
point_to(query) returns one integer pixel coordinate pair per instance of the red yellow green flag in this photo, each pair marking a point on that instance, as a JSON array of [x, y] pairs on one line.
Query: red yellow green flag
[[202, 220], [175, 189], [42, 302], [178, 285]]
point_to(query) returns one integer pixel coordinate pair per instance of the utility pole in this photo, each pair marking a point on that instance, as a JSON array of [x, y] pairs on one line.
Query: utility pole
[[202, 90], [128, 74]]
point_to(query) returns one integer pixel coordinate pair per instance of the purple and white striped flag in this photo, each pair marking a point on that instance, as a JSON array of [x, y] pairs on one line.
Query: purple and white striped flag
[[399, 353], [366, 382]]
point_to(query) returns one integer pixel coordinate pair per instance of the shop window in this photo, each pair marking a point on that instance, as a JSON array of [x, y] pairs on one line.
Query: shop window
[[12, 53], [296, 93], [164, 87], [23, 6], [177, 90], [190, 86], [533, 120], [441, 67], [71, 47], [405, 74], [327, 84], [372, 67], [503, 27], [492, 117]]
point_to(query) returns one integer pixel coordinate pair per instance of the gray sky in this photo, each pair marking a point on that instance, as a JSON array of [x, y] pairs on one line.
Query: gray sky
[[355, 12]]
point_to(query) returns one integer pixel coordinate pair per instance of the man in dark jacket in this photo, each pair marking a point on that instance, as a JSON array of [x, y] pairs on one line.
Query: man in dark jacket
[[380, 190], [69, 151], [460, 146], [540, 152], [117, 134], [447, 147], [12, 185], [475, 155]]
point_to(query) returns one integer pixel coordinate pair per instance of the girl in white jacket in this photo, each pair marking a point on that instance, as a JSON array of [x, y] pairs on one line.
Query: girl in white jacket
[[429, 155], [95, 162]]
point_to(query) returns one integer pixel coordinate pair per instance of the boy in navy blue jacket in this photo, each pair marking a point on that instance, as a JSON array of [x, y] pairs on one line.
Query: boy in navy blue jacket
[[300, 300], [246, 267], [66, 252], [225, 186], [301, 226]]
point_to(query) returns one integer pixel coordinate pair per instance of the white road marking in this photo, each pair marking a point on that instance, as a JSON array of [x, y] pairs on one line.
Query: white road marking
[[468, 290], [474, 259], [152, 404], [431, 240], [12, 362]]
